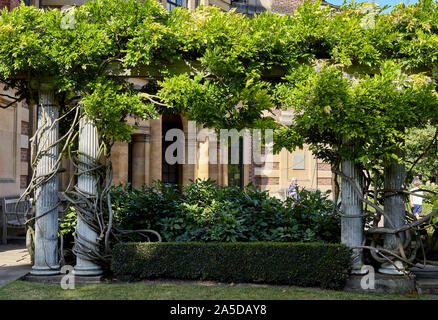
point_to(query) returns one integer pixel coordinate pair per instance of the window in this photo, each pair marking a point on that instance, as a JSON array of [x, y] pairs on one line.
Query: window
[[171, 173], [172, 4], [235, 171]]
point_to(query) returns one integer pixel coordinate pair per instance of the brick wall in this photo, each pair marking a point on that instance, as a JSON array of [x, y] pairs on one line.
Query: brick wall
[[285, 6], [10, 4], [272, 165], [324, 181], [24, 155], [263, 181], [324, 166], [289, 6], [4, 3], [14, 3]]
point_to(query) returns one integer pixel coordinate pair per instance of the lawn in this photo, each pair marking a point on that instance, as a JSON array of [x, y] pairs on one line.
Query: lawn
[[22, 290]]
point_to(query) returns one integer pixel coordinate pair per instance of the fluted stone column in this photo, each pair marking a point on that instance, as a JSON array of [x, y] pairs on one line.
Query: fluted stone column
[[87, 184], [352, 227], [394, 207], [46, 196]]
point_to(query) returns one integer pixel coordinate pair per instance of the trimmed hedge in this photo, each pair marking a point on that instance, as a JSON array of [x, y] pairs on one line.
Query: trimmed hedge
[[300, 264]]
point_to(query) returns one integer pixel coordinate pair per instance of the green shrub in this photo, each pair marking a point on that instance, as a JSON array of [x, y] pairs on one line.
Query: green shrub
[[300, 264], [67, 227], [204, 212]]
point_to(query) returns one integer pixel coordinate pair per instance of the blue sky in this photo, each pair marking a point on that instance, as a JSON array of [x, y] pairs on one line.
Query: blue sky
[[381, 2]]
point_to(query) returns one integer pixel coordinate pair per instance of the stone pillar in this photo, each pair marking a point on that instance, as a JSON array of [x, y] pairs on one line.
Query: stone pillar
[[191, 4], [138, 160], [394, 207], [203, 166], [155, 166], [352, 228], [46, 196], [87, 184], [223, 156], [189, 168], [120, 161], [147, 163]]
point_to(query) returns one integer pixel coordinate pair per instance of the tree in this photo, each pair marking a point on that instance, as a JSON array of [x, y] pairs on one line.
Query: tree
[[359, 123], [421, 153]]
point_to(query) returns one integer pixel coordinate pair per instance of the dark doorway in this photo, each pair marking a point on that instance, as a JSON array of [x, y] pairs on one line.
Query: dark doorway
[[235, 171], [171, 173]]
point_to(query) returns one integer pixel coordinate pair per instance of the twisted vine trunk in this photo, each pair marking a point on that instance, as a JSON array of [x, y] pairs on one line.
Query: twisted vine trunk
[[46, 195], [394, 208]]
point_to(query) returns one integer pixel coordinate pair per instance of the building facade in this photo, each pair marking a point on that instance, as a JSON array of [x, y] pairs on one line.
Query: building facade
[[15, 131], [142, 160]]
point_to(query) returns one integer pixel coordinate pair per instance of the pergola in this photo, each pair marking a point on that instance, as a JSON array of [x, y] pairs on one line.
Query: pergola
[[46, 214], [46, 223], [48, 155]]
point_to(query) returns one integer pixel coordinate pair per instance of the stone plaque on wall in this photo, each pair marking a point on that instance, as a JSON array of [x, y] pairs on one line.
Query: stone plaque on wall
[[298, 161]]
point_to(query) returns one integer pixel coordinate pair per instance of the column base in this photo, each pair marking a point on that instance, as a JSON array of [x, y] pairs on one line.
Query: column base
[[45, 271], [389, 268], [357, 269], [87, 271]]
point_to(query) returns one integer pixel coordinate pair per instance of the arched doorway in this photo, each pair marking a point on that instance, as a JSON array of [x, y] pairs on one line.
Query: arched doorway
[[171, 173]]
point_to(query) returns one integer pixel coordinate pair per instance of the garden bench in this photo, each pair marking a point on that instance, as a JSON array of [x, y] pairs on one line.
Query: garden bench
[[9, 219]]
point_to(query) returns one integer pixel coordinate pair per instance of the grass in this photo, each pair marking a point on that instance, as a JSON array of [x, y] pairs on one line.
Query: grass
[[22, 290]]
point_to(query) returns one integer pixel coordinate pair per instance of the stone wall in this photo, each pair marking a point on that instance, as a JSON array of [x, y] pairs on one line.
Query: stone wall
[[285, 6], [14, 148]]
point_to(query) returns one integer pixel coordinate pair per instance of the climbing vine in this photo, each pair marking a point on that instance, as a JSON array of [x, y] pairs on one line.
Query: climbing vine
[[355, 72]]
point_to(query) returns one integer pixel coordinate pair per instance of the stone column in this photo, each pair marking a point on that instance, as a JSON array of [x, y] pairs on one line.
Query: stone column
[[191, 4], [87, 184], [138, 160], [46, 196], [147, 157], [203, 166], [156, 169], [394, 207], [352, 227], [189, 168]]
